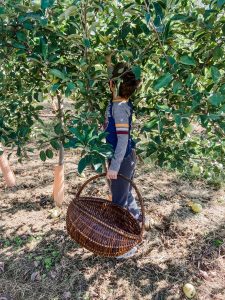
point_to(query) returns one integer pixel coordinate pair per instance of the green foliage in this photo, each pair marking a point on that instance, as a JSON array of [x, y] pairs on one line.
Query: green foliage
[[57, 73], [163, 81], [57, 48], [187, 60], [92, 143]]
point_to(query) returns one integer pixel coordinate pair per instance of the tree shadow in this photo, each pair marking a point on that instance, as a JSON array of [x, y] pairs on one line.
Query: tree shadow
[[43, 202], [61, 265]]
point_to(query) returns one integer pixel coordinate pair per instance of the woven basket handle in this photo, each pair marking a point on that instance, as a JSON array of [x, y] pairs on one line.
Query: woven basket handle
[[132, 184]]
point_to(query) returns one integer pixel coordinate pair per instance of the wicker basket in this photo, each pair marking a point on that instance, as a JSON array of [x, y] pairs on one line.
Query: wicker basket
[[102, 227]]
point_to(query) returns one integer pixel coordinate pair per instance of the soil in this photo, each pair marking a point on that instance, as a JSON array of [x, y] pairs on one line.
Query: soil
[[38, 260]]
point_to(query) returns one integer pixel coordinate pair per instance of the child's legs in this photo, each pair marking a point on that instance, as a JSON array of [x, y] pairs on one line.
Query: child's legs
[[121, 188], [132, 204]]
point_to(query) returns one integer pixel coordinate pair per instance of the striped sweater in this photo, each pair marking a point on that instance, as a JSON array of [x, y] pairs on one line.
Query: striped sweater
[[118, 121]]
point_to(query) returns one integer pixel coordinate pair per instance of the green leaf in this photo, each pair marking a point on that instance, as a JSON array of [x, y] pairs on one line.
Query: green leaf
[[55, 144], [179, 17], [87, 43], [118, 13], [21, 36], [187, 60], [46, 3], [49, 153], [158, 10], [127, 53], [220, 3], [98, 167], [57, 73], [124, 31], [83, 163], [151, 148], [43, 155], [163, 81], [55, 87], [177, 119], [70, 87], [97, 163], [190, 80], [39, 107], [70, 11], [18, 45], [147, 17], [43, 21], [167, 30], [189, 129], [215, 74], [177, 86], [137, 72], [222, 89], [28, 25], [2, 10], [58, 128], [44, 47], [24, 130], [216, 99], [148, 126], [218, 53], [163, 107], [184, 18], [185, 122]]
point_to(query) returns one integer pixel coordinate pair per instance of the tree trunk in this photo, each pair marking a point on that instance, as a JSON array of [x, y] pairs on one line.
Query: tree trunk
[[8, 174], [58, 186]]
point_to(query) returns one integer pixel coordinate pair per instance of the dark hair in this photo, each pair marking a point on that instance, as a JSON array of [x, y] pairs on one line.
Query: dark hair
[[129, 83]]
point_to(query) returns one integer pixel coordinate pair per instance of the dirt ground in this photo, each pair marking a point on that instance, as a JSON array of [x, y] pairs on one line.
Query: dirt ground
[[38, 260]]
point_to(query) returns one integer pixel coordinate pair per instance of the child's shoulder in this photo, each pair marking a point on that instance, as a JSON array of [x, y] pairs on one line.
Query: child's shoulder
[[121, 108], [120, 102]]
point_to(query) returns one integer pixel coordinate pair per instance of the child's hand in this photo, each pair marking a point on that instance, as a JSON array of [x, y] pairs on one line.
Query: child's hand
[[111, 174]]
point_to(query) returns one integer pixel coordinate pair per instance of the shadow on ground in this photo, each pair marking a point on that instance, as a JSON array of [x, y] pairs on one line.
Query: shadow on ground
[[51, 266]]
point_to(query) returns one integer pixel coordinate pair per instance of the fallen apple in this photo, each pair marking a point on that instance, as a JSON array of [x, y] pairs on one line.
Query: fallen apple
[[189, 290], [196, 207], [55, 213]]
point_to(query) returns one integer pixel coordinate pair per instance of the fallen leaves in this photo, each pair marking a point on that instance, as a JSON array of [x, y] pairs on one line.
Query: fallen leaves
[[67, 295], [204, 274], [36, 276], [5, 297], [2, 267]]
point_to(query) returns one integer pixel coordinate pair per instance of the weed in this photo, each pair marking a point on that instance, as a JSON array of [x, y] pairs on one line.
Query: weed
[[218, 242]]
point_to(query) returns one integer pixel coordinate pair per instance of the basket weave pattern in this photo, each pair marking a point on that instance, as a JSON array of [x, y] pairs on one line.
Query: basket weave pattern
[[101, 226]]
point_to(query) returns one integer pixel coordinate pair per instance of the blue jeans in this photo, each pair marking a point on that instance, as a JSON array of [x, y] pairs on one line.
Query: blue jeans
[[121, 189]]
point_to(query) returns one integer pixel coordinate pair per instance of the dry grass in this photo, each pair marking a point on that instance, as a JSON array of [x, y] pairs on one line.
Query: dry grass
[[41, 262]]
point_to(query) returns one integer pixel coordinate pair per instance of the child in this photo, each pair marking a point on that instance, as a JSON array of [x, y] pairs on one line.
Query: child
[[118, 125]]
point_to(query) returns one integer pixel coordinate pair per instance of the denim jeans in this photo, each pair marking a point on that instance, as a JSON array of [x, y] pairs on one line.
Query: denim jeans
[[121, 189]]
